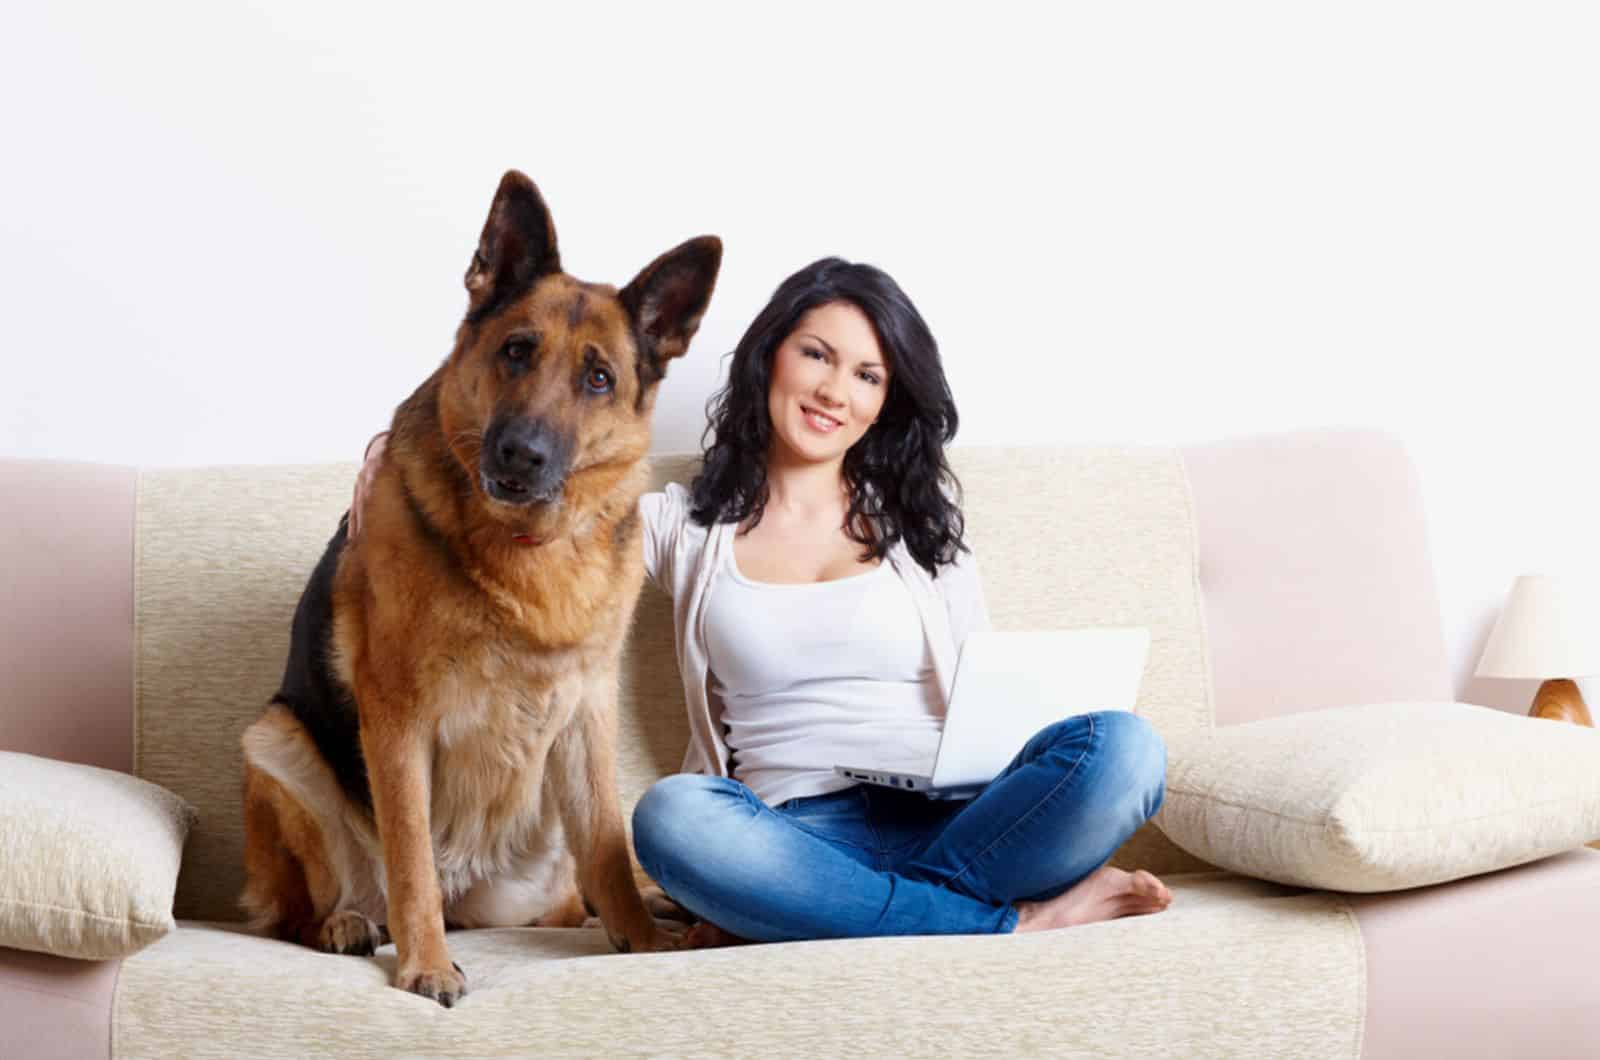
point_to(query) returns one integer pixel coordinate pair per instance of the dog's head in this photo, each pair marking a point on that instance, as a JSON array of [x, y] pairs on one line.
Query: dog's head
[[547, 396]]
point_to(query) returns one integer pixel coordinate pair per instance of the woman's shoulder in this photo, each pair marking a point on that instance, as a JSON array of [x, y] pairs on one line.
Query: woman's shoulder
[[667, 517], [670, 503], [962, 565]]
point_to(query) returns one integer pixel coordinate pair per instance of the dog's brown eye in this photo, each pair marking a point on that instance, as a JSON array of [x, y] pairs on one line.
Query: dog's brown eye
[[599, 380], [517, 349]]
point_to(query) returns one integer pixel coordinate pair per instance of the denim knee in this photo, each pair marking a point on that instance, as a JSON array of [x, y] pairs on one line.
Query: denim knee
[[1135, 758], [670, 812]]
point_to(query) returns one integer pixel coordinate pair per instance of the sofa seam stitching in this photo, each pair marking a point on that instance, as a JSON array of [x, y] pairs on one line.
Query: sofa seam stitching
[[1206, 683], [138, 627], [114, 1031], [1362, 971], [1326, 822], [24, 903]]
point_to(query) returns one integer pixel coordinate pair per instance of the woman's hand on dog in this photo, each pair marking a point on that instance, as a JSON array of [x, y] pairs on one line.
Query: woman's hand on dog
[[369, 471]]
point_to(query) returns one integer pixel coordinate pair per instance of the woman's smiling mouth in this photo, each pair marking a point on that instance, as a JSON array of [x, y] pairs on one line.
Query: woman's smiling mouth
[[820, 421]]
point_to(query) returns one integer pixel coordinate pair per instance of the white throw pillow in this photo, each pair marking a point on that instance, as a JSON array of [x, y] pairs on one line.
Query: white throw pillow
[[1382, 796], [88, 858]]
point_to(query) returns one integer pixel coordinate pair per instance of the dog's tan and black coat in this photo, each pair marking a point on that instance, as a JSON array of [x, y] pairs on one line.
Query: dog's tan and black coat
[[443, 746]]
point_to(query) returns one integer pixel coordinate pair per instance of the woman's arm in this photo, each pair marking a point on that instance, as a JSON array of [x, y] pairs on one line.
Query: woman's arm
[[661, 515], [963, 597]]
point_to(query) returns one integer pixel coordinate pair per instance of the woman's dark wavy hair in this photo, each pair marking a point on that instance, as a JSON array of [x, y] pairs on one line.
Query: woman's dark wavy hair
[[900, 485]]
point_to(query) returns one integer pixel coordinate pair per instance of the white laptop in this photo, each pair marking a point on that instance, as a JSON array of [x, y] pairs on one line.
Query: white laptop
[[1007, 687]]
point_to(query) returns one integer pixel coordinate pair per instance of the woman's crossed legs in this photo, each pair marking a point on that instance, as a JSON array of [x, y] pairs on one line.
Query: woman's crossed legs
[[1026, 853]]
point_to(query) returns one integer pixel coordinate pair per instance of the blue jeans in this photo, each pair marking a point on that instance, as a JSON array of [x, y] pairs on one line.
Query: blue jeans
[[880, 861]]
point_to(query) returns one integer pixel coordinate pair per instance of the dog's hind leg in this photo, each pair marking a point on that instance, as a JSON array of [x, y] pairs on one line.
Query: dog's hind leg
[[276, 894], [661, 905], [294, 889], [569, 912]]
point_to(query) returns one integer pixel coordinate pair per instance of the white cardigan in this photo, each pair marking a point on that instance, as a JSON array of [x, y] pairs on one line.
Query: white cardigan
[[681, 557]]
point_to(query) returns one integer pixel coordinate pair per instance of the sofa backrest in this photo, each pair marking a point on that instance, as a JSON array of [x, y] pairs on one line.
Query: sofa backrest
[[1276, 574]]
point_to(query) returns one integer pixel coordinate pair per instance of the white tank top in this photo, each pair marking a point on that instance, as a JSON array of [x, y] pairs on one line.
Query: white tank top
[[817, 675]]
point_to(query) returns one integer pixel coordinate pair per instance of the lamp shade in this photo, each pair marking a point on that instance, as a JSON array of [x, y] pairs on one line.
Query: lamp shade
[[1550, 628]]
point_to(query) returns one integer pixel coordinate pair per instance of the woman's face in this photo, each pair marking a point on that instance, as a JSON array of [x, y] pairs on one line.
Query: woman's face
[[829, 380]]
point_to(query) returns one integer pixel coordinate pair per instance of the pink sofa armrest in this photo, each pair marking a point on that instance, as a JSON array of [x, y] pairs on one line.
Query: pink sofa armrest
[[66, 633]]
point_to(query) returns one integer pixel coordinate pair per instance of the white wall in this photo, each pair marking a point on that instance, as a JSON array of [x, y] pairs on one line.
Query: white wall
[[237, 232]]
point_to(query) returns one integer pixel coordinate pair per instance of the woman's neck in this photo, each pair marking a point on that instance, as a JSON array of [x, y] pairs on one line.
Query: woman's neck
[[806, 490]]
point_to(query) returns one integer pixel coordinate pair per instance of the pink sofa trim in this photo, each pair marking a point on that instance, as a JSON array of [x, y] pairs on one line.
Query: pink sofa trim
[[66, 566], [1526, 937], [55, 1006]]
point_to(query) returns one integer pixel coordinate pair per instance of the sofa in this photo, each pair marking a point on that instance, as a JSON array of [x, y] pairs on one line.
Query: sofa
[[148, 622]]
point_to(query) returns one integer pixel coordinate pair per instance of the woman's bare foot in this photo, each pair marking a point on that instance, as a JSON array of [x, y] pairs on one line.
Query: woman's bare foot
[[1104, 894], [706, 935]]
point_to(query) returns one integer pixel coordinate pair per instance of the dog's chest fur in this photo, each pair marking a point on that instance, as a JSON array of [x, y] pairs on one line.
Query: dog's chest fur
[[499, 713]]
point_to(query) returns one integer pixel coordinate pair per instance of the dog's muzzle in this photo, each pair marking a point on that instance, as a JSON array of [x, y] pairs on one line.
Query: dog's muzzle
[[524, 461]]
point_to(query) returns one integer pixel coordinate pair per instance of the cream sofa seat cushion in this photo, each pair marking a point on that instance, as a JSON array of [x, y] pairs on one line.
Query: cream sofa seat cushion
[[1115, 988], [88, 858], [1382, 796]]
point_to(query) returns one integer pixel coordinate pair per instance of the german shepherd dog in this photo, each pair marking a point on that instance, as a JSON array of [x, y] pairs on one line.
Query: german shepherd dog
[[443, 747]]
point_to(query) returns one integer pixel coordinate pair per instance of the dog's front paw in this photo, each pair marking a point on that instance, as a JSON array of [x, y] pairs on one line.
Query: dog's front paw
[[444, 985]]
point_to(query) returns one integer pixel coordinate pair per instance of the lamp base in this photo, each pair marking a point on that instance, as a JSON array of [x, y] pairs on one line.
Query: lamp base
[[1560, 700]]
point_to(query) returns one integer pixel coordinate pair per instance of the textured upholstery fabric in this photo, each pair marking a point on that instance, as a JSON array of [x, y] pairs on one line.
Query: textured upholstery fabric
[[1383, 796], [221, 556], [88, 858], [1159, 986]]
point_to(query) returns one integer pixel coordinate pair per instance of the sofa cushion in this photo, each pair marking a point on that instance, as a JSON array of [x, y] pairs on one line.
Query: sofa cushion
[[1314, 567], [1283, 977], [88, 858], [1382, 796]]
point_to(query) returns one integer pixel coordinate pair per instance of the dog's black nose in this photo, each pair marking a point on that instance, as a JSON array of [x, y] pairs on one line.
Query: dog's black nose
[[524, 459], [525, 447], [523, 451]]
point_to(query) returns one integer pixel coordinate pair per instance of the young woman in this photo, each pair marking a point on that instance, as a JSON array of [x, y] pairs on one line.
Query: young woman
[[822, 589]]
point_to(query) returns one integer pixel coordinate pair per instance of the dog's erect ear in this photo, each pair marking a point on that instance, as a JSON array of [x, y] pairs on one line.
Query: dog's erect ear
[[518, 246], [669, 296]]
